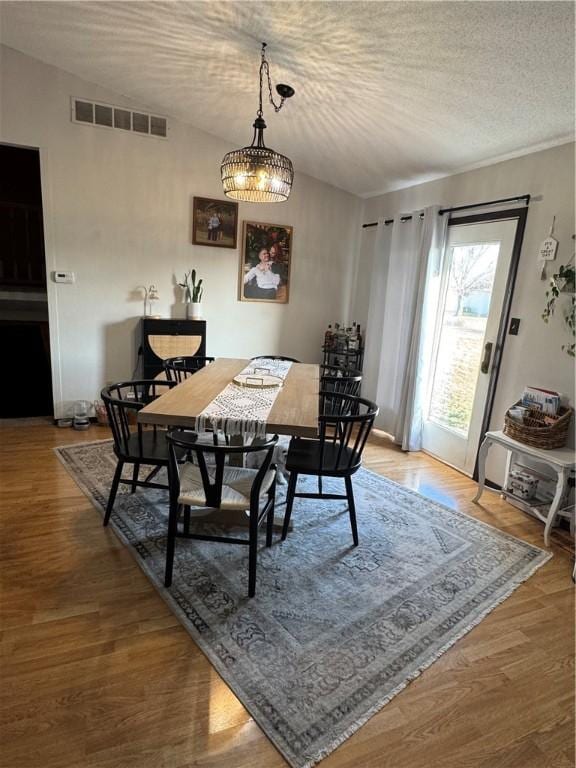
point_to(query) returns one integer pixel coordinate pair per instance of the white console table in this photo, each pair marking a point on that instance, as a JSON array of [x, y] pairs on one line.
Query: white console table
[[561, 460]]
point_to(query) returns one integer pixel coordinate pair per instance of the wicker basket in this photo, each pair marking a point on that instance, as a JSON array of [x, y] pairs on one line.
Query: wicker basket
[[535, 432]]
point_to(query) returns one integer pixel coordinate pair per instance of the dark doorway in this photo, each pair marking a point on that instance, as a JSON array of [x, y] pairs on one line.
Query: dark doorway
[[26, 390]]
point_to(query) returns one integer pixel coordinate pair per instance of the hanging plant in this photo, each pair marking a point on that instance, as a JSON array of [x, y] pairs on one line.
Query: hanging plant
[[563, 282], [570, 319]]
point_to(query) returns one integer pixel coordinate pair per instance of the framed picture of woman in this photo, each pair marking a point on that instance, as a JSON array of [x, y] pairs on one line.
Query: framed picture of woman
[[214, 222], [265, 263]]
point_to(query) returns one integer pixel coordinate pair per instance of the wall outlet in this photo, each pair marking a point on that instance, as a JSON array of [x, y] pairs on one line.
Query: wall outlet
[[64, 277]]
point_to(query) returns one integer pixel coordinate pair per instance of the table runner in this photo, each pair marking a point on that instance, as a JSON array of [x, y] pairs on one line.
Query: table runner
[[243, 410]]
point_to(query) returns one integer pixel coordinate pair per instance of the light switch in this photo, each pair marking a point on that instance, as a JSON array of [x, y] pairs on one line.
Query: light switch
[[64, 277]]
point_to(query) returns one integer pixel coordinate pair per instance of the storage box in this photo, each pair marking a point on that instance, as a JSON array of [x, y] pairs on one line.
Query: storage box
[[522, 484]]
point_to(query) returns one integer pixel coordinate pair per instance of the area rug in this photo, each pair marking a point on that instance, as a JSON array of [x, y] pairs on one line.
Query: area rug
[[334, 632]]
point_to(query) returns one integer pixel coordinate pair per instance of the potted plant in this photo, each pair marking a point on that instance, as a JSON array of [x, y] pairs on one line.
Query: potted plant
[[563, 282], [192, 295]]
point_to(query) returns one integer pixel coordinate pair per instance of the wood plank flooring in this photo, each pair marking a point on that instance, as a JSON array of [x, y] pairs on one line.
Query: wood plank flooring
[[97, 673]]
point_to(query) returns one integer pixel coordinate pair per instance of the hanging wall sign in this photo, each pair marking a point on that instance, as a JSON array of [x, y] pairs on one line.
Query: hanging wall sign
[[547, 250], [549, 247]]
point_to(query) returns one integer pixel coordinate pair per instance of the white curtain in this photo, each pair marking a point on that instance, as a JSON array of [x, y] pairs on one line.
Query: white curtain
[[403, 300]]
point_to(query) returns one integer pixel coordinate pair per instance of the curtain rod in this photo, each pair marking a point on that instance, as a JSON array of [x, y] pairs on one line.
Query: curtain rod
[[442, 211]]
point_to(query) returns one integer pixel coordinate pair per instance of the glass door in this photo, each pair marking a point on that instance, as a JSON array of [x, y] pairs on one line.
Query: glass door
[[472, 293]]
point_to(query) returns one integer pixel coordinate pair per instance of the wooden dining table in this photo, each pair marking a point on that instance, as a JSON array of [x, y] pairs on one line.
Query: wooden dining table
[[294, 412]]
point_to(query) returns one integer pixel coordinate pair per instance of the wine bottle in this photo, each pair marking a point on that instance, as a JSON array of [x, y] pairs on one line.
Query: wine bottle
[[328, 336]]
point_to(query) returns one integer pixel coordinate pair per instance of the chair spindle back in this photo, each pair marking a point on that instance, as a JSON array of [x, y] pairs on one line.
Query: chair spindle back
[[345, 422], [122, 401], [180, 368]]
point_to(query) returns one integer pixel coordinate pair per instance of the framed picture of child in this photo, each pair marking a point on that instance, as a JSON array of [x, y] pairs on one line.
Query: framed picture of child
[[214, 222], [265, 263]]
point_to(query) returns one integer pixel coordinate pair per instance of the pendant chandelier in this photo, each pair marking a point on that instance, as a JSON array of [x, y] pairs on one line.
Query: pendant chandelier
[[257, 174]]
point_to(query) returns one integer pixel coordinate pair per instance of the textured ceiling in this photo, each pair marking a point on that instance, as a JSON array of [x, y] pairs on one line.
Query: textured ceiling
[[387, 93]]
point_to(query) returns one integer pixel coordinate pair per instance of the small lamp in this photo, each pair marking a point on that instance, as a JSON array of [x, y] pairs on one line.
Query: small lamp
[[150, 295]]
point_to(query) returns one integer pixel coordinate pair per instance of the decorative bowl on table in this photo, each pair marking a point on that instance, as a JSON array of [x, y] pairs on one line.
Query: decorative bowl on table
[[257, 380]]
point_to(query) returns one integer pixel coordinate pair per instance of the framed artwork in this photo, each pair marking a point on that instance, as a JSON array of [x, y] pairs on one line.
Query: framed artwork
[[265, 263], [214, 222]]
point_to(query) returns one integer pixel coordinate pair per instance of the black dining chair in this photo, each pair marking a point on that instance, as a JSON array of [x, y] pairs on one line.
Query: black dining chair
[[274, 357], [180, 368], [134, 444], [345, 422], [342, 381], [215, 485]]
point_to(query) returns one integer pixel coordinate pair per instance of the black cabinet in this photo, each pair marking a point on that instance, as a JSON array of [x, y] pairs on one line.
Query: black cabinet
[[170, 338]]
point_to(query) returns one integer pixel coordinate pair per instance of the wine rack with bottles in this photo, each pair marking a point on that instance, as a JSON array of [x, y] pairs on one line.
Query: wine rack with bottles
[[344, 346]]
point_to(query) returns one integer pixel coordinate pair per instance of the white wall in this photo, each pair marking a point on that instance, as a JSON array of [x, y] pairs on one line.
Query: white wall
[[534, 357], [117, 209]]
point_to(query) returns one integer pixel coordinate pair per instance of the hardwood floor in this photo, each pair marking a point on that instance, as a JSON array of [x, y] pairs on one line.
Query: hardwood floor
[[97, 672]]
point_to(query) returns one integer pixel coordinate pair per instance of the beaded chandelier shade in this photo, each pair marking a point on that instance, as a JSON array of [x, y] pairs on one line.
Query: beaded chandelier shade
[[258, 174]]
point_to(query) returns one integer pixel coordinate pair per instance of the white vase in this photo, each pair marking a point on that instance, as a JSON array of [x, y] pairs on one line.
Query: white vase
[[195, 310]]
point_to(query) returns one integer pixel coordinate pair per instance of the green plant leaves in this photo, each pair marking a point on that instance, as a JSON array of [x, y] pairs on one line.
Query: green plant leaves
[[566, 273]]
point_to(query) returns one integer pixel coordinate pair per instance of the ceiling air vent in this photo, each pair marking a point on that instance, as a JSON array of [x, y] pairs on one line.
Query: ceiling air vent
[[110, 116], [158, 126], [122, 119], [140, 122], [103, 115], [84, 112]]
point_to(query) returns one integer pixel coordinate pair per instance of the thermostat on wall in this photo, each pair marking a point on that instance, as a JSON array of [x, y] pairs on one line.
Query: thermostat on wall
[[63, 277]]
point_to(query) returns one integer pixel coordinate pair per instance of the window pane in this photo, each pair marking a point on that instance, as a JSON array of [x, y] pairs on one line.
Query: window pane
[[461, 336]]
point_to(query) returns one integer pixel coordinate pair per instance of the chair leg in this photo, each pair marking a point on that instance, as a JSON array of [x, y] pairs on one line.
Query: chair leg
[[270, 515], [289, 501], [135, 477], [187, 519], [320, 485], [113, 490], [253, 552], [351, 509], [171, 542]]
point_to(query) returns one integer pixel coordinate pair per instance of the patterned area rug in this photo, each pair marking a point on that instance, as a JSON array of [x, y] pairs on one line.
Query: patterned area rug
[[334, 631]]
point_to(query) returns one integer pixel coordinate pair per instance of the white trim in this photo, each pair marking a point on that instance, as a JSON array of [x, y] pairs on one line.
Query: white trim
[[447, 463], [51, 287]]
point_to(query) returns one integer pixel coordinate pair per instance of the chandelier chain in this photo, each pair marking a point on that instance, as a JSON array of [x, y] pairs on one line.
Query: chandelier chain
[[264, 68]]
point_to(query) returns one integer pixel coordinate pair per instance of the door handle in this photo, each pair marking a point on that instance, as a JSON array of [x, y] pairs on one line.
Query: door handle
[[485, 364]]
